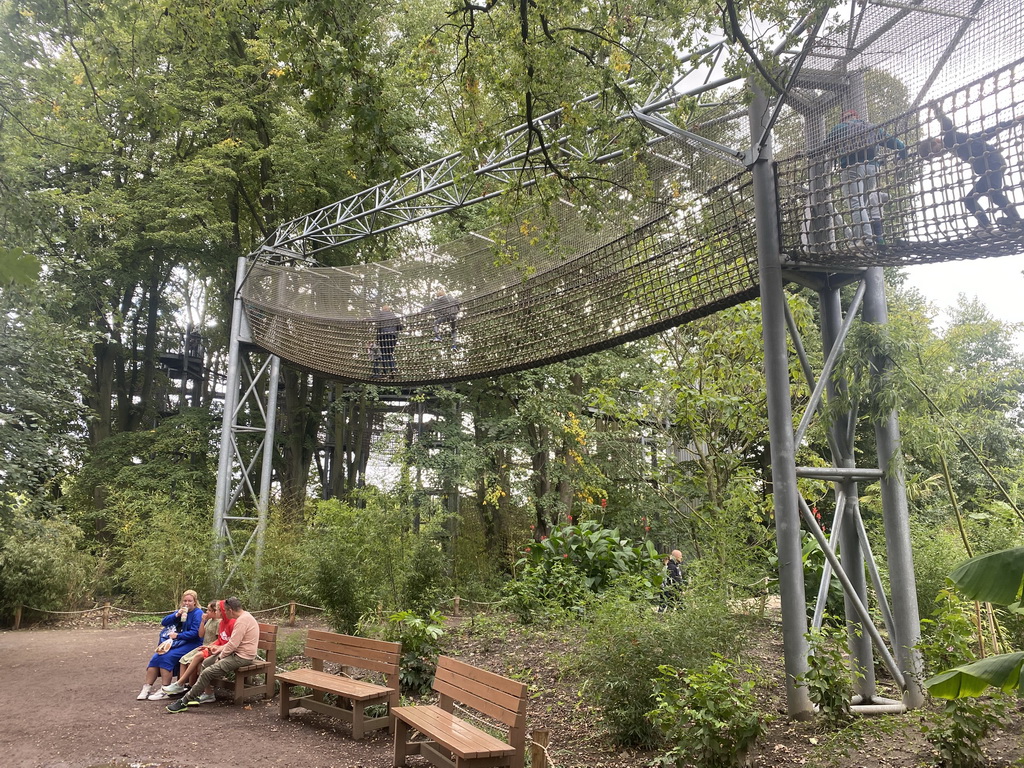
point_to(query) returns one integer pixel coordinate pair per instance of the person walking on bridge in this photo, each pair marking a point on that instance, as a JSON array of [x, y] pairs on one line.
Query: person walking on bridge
[[855, 143]]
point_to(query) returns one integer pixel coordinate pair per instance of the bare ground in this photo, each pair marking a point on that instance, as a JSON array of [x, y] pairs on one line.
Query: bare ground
[[67, 700]]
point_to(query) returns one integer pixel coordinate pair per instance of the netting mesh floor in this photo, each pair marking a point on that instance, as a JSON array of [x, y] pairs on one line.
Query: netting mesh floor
[[902, 142]]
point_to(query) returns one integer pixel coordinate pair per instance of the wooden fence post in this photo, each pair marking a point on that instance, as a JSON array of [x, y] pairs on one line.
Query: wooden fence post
[[539, 749], [17, 617], [456, 605], [291, 614], [106, 614]]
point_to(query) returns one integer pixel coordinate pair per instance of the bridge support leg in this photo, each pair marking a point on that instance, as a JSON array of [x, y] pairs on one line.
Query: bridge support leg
[[780, 417], [907, 622]]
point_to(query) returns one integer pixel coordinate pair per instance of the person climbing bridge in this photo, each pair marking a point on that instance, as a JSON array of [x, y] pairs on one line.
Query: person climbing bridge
[[985, 160], [856, 142]]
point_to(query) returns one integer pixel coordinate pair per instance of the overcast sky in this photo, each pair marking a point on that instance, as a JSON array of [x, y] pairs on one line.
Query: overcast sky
[[998, 283]]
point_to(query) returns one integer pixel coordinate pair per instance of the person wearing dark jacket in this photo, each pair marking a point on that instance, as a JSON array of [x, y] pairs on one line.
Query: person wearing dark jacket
[[855, 143], [446, 316], [985, 160], [386, 327]]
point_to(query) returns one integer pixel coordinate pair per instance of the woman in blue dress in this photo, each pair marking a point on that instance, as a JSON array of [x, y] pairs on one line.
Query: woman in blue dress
[[181, 628]]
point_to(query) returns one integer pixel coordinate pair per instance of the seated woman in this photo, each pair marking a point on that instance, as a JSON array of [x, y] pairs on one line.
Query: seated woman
[[182, 629], [212, 638]]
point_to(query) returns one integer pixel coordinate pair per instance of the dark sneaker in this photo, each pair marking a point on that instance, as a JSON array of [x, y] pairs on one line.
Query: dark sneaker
[[178, 706], [192, 702]]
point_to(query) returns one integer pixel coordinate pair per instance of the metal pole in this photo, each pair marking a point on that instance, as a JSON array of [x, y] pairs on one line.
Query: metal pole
[[267, 468], [907, 622], [852, 556], [232, 388], [780, 416]]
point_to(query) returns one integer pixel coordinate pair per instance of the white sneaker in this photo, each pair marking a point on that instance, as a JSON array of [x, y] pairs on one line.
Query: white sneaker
[[174, 689], [206, 698], [157, 696], [144, 693]]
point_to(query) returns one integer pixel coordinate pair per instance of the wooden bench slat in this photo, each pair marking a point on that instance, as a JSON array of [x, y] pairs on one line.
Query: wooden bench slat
[[328, 683], [455, 734], [483, 691]]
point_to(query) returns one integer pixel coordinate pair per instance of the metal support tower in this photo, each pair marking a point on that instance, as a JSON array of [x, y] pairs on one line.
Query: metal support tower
[[242, 497]]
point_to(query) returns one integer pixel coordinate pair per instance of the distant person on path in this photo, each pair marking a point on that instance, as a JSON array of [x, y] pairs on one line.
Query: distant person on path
[[446, 313], [239, 651], [181, 628], [855, 143], [672, 586], [985, 160], [386, 327]]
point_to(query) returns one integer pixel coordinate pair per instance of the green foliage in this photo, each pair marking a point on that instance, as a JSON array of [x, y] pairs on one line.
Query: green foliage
[[163, 548], [937, 549], [336, 581], [545, 593], [957, 731], [814, 561], [40, 564], [625, 641], [828, 677], [420, 637], [710, 717], [996, 577], [425, 581], [559, 572], [947, 637]]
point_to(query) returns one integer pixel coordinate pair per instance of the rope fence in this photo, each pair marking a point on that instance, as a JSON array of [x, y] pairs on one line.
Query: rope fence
[[107, 610]]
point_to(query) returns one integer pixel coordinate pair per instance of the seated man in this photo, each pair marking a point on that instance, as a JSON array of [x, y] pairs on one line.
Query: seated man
[[239, 651]]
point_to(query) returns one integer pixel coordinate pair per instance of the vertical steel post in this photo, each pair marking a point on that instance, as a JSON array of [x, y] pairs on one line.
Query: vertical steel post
[[780, 417], [906, 620], [232, 390], [267, 468], [851, 554]]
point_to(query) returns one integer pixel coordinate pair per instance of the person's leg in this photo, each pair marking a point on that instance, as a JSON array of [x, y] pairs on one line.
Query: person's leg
[[853, 191], [148, 687], [979, 189], [999, 199]]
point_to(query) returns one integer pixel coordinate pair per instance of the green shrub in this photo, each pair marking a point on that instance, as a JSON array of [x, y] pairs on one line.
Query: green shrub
[[420, 637], [709, 717], [828, 677], [559, 573], [625, 641], [425, 581], [598, 553], [164, 549], [545, 592], [937, 551], [40, 565], [956, 732]]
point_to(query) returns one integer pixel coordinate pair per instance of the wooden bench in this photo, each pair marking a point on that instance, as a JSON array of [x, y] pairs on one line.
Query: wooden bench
[[349, 652], [452, 742], [244, 685]]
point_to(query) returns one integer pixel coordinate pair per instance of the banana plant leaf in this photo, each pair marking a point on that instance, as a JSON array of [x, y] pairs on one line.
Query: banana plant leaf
[[992, 578], [1003, 671]]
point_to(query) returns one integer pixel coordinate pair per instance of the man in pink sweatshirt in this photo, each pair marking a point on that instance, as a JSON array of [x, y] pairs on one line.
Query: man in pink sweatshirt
[[238, 651]]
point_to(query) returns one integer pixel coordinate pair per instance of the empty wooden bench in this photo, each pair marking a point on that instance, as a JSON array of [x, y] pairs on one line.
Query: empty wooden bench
[[348, 652], [450, 741], [245, 685]]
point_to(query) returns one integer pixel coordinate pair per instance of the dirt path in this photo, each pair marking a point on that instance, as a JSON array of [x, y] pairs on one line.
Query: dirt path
[[67, 700]]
